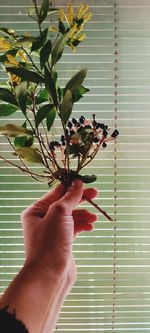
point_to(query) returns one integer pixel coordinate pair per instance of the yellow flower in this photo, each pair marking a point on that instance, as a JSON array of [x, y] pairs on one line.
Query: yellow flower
[[53, 29], [22, 55], [70, 15], [81, 37], [4, 45], [87, 17], [82, 10], [61, 15], [14, 79], [11, 60]]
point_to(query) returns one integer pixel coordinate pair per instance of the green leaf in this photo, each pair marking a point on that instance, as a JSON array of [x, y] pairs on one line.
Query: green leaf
[[45, 53], [21, 94], [66, 107], [58, 48], [26, 74], [42, 113], [25, 41], [50, 85], [23, 141], [14, 130], [50, 118], [76, 81], [7, 109], [44, 10], [7, 96], [42, 97], [78, 93], [29, 154], [8, 32], [52, 10], [74, 149], [87, 178], [40, 40], [61, 27]]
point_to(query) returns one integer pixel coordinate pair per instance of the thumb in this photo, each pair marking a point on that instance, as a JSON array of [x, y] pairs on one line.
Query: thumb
[[73, 196]]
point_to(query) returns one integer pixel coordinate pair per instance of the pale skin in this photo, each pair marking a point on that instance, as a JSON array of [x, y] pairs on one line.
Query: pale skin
[[49, 272]]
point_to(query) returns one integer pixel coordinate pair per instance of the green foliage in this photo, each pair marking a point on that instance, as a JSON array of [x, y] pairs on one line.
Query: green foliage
[[13, 130], [78, 93], [50, 85], [41, 39], [66, 107], [43, 10], [88, 178], [45, 53], [76, 81], [58, 49], [29, 154], [26, 74], [23, 141], [50, 118], [21, 94], [7, 96], [23, 41], [42, 113], [42, 96], [7, 109]]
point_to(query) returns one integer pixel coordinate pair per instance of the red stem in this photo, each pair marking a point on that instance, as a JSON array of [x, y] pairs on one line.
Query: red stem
[[97, 207]]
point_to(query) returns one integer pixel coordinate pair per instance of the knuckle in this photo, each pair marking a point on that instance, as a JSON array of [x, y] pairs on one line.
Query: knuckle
[[60, 208]]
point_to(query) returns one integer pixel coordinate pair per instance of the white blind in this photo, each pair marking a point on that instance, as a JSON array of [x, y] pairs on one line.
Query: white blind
[[112, 293]]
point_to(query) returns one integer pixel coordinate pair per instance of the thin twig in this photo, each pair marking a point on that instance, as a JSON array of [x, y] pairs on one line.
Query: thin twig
[[97, 207]]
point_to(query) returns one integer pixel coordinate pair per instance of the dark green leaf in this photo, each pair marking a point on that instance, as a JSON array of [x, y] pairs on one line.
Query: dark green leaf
[[44, 10], [44, 35], [25, 40], [76, 81], [29, 154], [74, 149], [21, 94], [50, 118], [52, 10], [45, 53], [23, 141], [61, 27], [7, 96], [26, 74], [7, 109], [50, 85], [87, 178], [78, 93], [42, 113], [14, 130], [36, 45], [66, 107], [58, 49], [42, 97]]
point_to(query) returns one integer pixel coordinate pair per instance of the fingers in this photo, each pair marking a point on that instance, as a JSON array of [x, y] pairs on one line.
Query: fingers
[[40, 207], [90, 193], [83, 220]]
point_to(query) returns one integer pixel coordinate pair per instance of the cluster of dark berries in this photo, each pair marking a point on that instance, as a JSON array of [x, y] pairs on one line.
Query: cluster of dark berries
[[75, 129]]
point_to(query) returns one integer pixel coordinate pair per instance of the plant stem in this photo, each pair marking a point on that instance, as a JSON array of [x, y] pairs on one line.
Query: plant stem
[[97, 207]]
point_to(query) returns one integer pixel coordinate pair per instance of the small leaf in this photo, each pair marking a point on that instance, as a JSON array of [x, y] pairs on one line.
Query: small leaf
[[50, 118], [42, 97], [7, 32], [26, 74], [7, 96], [25, 41], [50, 85], [76, 81], [66, 107], [87, 178], [29, 154], [58, 49], [45, 53], [36, 45], [7, 109], [74, 149], [44, 10], [61, 27], [78, 93], [42, 113], [14, 130], [21, 94], [23, 141], [52, 10]]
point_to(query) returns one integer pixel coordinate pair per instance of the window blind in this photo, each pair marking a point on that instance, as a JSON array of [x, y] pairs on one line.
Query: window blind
[[112, 292]]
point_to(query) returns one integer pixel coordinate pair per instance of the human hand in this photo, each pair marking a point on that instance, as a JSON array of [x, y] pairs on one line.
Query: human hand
[[51, 223]]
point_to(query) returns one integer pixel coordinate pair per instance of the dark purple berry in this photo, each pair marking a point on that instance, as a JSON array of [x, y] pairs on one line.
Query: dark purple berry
[[105, 133], [94, 123], [74, 121], [80, 129], [87, 126], [69, 124], [81, 120], [115, 133], [72, 132], [96, 140], [104, 145]]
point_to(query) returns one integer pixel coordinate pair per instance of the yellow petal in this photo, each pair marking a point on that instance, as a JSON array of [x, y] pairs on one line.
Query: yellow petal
[[68, 19], [81, 37], [53, 29], [71, 12], [82, 10], [61, 14], [22, 55], [12, 60], [87, 17], [4, 45], [73, 30]]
